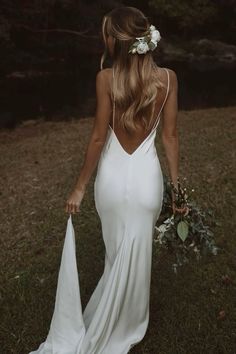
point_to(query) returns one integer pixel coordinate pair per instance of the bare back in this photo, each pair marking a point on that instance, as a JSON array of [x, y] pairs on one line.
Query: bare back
[[131, 143]]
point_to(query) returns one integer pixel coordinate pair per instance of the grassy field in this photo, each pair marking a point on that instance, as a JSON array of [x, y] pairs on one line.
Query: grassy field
[[39, 166]]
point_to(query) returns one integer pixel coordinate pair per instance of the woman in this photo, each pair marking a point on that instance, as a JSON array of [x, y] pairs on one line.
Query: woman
[[128, 189]]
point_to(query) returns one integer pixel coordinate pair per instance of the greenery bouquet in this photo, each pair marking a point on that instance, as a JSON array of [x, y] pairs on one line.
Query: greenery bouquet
[[188, 233]]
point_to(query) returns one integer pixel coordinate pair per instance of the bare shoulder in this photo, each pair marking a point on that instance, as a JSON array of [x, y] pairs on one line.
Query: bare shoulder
[[103, 78], [171, 72], [104, 74], [173, 79], [172, 75], [101, 75]]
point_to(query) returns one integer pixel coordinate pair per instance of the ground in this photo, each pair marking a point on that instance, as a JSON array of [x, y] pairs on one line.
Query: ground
[[40, 162]]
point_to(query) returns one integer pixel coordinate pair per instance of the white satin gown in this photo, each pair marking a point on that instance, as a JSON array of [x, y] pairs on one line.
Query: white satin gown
[[128, 192]]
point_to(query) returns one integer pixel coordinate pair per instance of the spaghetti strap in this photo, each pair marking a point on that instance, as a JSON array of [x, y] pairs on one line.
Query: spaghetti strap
[[168, 85], [167, 91], [113, 111]]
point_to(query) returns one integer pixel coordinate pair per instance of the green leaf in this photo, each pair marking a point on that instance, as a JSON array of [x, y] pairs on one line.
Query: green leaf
[[182, 230], [151, 45]]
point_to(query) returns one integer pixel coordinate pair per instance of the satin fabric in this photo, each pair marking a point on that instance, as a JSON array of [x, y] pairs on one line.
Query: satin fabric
[[128, 193]]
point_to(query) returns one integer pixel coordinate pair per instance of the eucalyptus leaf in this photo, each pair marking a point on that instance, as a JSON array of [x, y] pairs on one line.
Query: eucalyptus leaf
[[196, 227], [182, 230]]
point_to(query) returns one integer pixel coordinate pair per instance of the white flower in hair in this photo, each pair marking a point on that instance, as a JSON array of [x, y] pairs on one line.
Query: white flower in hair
[[146, 43], [155, 35], [142, 48]]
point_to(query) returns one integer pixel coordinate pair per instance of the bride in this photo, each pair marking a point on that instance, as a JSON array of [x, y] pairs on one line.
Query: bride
[[132, 97]]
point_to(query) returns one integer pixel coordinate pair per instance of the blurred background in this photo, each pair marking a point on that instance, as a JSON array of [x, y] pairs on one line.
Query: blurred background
[[50, 55], [51, 50]]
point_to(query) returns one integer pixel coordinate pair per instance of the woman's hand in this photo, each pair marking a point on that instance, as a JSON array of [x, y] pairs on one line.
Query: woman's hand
[[74, 200]]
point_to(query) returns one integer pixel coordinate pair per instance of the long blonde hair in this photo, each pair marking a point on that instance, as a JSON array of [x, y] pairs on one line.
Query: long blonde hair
[[134, 86]]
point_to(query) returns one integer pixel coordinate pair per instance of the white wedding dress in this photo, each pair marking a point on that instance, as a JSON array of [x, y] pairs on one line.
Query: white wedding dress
[[128, 192]]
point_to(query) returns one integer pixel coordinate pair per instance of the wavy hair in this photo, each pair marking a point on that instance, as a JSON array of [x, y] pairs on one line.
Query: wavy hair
[[135, 86]]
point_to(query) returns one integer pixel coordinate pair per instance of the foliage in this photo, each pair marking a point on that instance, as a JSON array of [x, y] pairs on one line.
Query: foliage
[[26, 26], [188, 235], [198, 17], [186, 14]]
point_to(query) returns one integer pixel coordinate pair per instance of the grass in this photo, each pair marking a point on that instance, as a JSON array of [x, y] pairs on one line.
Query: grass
[[39, 166]]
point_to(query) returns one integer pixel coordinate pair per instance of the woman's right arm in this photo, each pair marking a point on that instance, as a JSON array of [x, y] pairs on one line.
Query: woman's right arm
[[169, 132]]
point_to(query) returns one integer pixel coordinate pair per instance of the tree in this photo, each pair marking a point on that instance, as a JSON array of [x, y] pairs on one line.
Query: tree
[[185, 16]]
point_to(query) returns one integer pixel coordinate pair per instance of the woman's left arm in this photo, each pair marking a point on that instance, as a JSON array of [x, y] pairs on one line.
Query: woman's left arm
[[96, 142]]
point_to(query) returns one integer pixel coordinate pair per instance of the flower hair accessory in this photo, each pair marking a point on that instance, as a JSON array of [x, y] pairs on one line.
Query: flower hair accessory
[[146, 43]]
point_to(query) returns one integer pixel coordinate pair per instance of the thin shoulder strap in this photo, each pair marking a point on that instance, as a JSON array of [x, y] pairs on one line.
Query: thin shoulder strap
[[167, 91], [113, 116], [168, 85]]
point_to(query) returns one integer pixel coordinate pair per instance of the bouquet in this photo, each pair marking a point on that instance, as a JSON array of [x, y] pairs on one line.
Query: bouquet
[[184, 234]]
